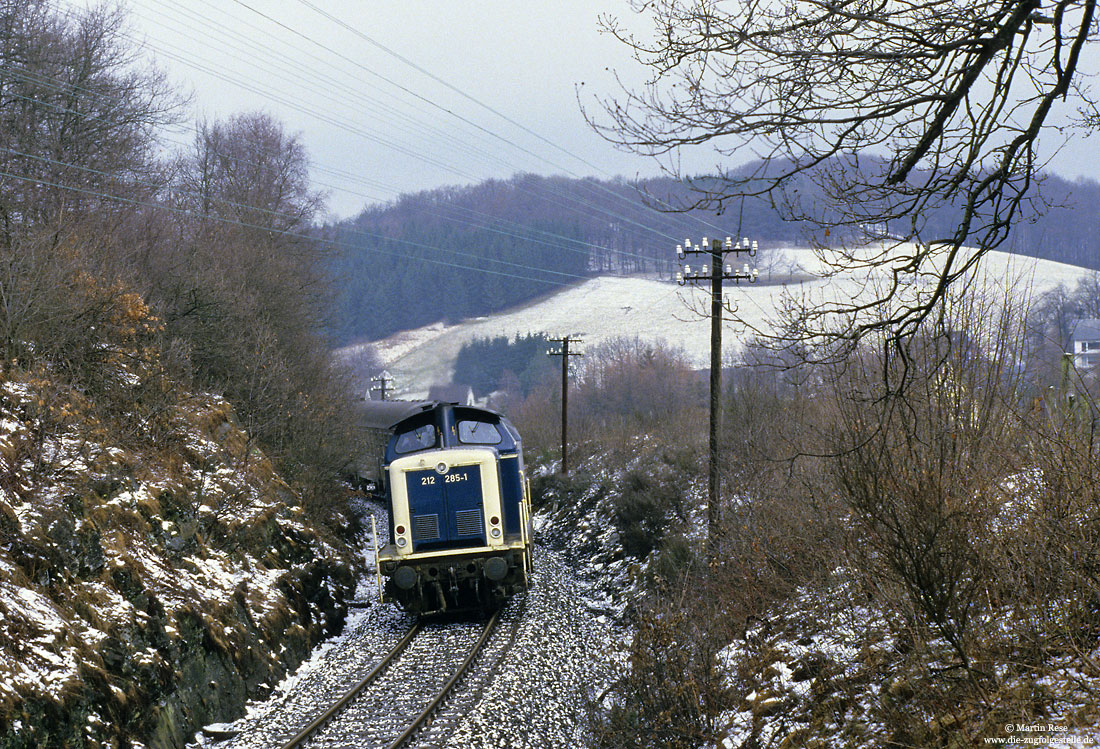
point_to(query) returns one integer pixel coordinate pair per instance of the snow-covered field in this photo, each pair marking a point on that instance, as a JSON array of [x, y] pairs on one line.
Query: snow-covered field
[[657, 310]]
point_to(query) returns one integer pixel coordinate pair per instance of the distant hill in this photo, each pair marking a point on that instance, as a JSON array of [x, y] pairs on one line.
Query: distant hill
[[460, 252], [608, 307]]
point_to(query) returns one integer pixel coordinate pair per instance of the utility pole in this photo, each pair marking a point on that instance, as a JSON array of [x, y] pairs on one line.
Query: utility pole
[[717, 272], [382, 380], [564, 353]]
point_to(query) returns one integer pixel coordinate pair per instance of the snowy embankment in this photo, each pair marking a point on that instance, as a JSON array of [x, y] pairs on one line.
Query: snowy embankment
[[828, 668], [609, 307], [147, 586]]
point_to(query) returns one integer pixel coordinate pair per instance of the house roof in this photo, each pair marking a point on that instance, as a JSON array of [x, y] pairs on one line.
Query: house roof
[[1086, 330], [384, 414], [450, 393]]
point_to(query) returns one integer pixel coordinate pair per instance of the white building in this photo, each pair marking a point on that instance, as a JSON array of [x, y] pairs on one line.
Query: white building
[[1085, 344]]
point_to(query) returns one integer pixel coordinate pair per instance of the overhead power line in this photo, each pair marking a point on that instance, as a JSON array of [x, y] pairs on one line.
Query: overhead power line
[[267, 92], [276, 214], [445, 109], [580, 206], [272, 230], [584, 247], [466, 96]]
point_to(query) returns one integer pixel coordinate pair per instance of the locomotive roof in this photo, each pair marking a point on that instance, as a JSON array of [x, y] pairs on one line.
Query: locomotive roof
[[388, 414]]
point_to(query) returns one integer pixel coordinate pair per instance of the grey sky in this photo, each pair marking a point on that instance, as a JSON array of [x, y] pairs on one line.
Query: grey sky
[[524, 59], [369, 139]]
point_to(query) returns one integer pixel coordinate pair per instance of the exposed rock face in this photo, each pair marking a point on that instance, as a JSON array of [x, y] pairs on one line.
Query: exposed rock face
[[147, 591]]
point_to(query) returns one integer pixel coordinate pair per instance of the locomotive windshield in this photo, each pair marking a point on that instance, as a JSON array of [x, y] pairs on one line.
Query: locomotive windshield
[[418, 438], [478, 433]]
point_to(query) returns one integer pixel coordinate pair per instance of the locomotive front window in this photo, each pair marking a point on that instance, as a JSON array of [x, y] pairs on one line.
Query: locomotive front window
[[478, 433], [420, 438]]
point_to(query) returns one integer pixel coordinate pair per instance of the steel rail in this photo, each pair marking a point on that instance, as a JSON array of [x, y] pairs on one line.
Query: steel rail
[[426, 713], [302, 736]]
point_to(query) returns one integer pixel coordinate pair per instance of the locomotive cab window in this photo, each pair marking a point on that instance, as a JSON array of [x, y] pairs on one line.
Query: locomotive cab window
[[418, 438], [478, 433]]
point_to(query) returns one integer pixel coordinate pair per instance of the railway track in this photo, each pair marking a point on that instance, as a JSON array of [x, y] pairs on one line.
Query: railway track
[[404, 698]]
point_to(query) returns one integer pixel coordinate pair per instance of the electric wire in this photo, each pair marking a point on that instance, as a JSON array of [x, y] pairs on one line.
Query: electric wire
[[234, 40], [274, 96], [442, 108], [582, 207], [282, 232], [391, 144], [585, 248], [465, 95], [277, 214], [583, 183]]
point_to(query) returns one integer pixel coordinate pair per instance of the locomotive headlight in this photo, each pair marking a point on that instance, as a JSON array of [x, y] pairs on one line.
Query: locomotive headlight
[[494, 532], [441, 468], [402, 543]]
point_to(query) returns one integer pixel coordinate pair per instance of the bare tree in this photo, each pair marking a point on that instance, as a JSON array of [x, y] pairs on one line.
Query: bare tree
[[79, 164], [79, 112], [912, 123], [246, 288]]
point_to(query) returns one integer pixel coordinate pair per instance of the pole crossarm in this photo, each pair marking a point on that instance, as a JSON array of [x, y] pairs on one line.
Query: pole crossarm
[[384, 384], [716, 251]]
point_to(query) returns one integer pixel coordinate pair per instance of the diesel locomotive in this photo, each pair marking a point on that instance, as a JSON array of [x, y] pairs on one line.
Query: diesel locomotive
[[459, 504]]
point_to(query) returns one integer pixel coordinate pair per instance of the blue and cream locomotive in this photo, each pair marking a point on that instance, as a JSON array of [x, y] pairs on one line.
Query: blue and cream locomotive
[[453, 477]]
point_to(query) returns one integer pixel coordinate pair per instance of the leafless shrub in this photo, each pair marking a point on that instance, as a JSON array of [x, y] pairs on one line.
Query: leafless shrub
[[673, 692]]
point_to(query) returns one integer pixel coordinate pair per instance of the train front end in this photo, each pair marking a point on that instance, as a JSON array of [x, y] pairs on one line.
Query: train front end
[[459, 513]]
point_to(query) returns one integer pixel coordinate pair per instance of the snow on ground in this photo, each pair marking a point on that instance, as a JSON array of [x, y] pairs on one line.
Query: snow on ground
[[826, 668], [110, 551], [560, 660], [538, 698], [613, 306]]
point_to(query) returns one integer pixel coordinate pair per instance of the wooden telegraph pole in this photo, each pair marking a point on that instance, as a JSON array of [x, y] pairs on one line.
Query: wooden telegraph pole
[[564, 353], [717, 272]]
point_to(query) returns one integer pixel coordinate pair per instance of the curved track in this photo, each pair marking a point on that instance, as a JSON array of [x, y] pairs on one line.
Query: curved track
[[404, 698], [323, 719]]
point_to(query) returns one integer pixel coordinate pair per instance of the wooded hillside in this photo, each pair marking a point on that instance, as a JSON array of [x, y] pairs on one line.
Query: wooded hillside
[[461, 252]]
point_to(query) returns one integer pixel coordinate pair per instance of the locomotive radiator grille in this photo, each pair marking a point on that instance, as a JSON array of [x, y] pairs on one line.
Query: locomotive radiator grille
[[468, 522], [425, 527]]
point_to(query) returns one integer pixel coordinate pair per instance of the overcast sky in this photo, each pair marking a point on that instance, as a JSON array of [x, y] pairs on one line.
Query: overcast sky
[[376, 126]]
